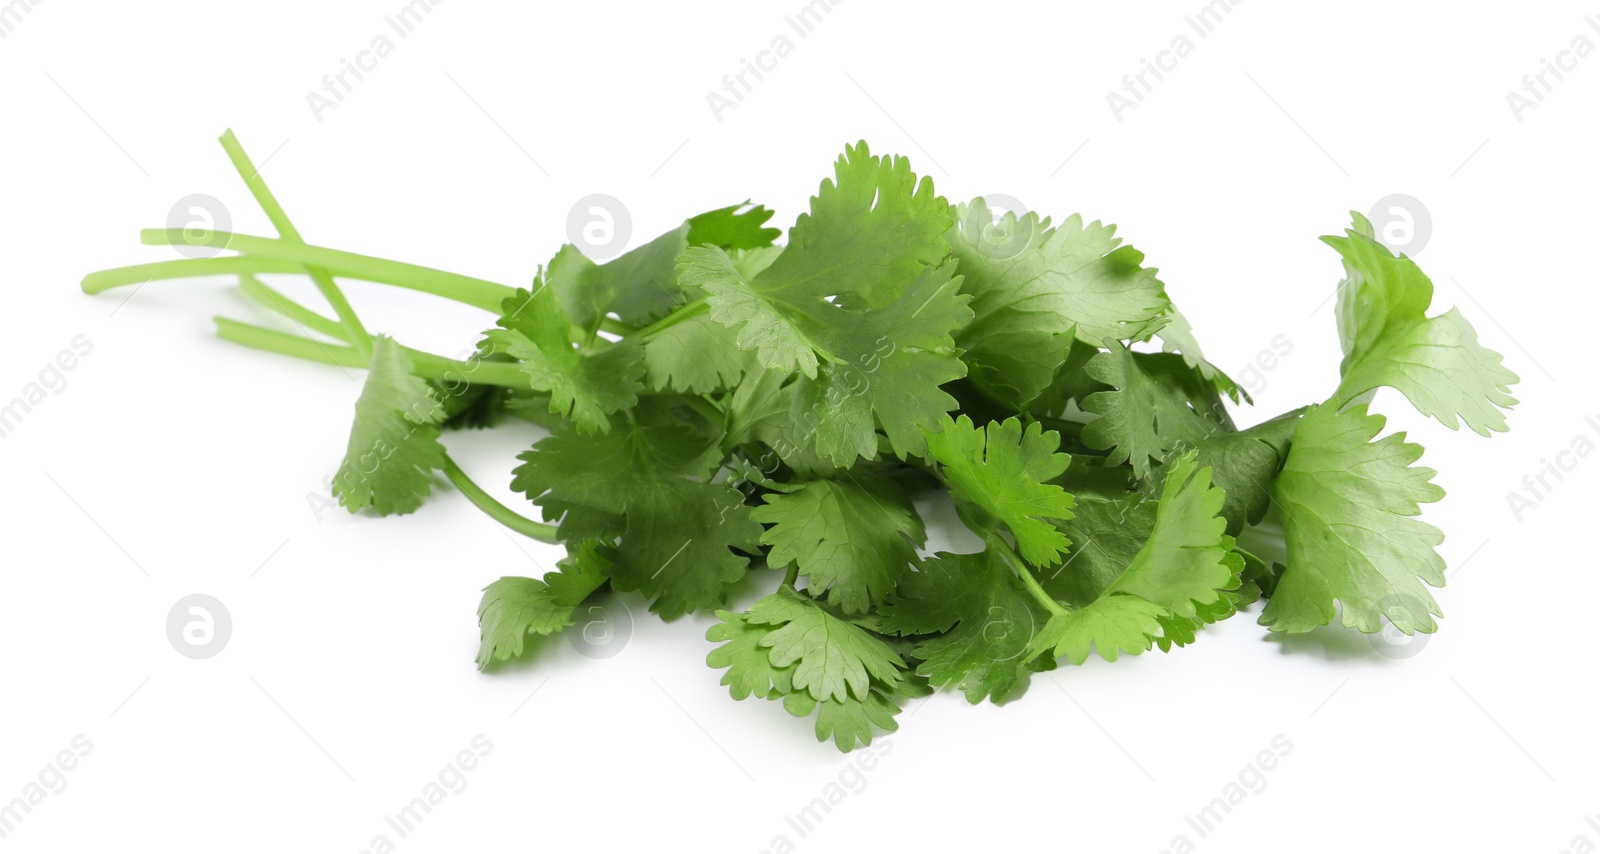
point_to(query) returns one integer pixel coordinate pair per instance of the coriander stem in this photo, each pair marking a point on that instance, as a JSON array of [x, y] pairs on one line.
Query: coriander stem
[[479, 293], [1010, 556], [138, 274], [302, 316], [678, 315], [356, 333], [705, 408], [497, 511], [428, 365], [791, 576], [284, 344]]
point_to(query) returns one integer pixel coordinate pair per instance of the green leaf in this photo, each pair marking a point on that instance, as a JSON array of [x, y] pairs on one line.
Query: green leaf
[[1109, 625], [834, 659], [640, 285], [894, 361], [1188, 561], [850, 721], [1035, 287], [585, 388], [981, 619], [1348, 515], [697, 356], [1003, 473], [648, 484], [394, 440], [1245, 464], [860, 303], [851, 537], [1157, 406], [513, 608], [752, 672], [1105, 537], [1182, 576], [749, 664], [735, 227], [1436, 362]]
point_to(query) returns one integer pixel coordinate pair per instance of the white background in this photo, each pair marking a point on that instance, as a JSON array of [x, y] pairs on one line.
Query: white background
[[173, 463]]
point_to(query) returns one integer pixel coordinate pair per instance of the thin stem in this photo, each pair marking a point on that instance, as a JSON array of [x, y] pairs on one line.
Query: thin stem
[[428, 365], [357, 334], [499, 512], [1010, 556], [705, 408], [264, 294], [793, 575], [679, 315], [479, 293], [284, 344], [187, 268]]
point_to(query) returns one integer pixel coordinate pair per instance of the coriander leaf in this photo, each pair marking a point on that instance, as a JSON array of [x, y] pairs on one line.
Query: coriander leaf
[[1037, 286], [1245, 463], [851, 537], [1003, 472], [1182, 576], [648, 484], [1436, 362], [749, 664], [752, 672], [640, 285], [835, 659], [980, 617], [1109, 624], [1105, 536], [1188, 562], [849, 721], [678, 545], [1157, 406], [637, 286], [394, 439], [696, 356], [513, 608], [894, 361], [734, 227], [870, 233], [583, 387], [1348, 516]]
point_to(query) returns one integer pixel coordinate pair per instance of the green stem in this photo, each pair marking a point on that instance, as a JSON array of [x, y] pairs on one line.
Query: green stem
[[679, 315], [497, 511], [357, 334], [428, 365], [284, 344], [187, 268], [705, 408], [790, 577], [1010, 556], [299, 314], [479, 293]]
